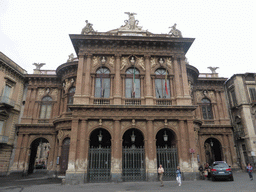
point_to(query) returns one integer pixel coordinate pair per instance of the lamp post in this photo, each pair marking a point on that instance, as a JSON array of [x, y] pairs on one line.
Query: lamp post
[[165, 136], [133, 139], [100, 139]]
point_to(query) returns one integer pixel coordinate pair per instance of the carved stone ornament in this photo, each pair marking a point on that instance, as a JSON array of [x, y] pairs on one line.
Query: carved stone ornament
[[67, 84], [133, 122], [60, 134], [153, 62], [112, 61], [103, 60], [175, 32], [141, 63], [88, 28], [169, 62], [161, 61], [124, 62], [100, 122], [95, 61]]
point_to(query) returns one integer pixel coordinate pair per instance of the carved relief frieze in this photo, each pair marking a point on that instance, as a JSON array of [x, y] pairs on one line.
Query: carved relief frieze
[[108, 124], [124, 62], [95, 61], [112, 61], [125, 125], [153, 62], [68, 84], [92, 124], [140, 63], [141, 125]]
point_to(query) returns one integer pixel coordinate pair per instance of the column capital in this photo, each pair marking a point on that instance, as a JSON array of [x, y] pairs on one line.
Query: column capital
[[118, 55], [89, 55], [147, 56]]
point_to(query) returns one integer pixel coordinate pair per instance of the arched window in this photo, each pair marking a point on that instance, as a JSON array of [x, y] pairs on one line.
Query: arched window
[[71, 93], [46, 108], [207, 109], [132, 83], [162, 84], [102, 83]]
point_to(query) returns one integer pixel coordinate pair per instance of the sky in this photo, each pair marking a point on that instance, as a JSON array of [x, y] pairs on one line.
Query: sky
[[37, 31]]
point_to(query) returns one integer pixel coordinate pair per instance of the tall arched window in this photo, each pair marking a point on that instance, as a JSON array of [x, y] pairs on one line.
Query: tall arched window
[[102, 83], [162, 85], [71, 93], [132, 83], [46, 108], [207, 109]]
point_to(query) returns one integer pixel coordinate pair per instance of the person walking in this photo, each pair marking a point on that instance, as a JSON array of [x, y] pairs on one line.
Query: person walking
[[178, 175], [249, 170], [161, 172]]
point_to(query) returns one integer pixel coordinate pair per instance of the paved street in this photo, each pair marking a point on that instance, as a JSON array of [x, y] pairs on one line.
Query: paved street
[[42, 184]]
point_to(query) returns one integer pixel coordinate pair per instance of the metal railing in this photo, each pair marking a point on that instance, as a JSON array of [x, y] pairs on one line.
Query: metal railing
[[7, 100], [163, 102], [4, 139], [101, 101], [133, 101]]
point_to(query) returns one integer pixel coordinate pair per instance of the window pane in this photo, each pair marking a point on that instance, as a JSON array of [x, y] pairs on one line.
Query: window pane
[[48, 111], [42, 112], [252, 94], [158, 87], [7, 91], [128, 88], [97, 87]]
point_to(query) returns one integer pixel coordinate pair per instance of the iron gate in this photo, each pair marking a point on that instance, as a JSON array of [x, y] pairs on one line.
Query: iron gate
[[133, 168], [169, 159], [99, 165]]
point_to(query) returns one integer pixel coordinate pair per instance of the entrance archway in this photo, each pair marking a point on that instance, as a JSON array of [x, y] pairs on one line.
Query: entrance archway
[[39, 152], [213, 150], [166, 145], [99, 156], [133, 158], [64, 155]]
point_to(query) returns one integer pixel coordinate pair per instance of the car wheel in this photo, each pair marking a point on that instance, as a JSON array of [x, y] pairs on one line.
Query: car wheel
[[232, 178]]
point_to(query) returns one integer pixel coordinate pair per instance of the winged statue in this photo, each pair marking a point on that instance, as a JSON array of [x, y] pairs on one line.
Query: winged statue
[[38, 65], [213, 69]]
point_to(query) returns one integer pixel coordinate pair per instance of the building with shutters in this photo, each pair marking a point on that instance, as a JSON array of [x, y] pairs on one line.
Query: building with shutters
[[11, 96], [241, 93], [129, 102]]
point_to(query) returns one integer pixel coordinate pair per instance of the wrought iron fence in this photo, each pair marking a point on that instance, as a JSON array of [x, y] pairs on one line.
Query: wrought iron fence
[[133, 164], [169, 159], [99, 165]]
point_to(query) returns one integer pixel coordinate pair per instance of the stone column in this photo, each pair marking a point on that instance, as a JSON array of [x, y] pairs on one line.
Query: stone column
[[117, 81], [186, 89], [151, 160], [183, 149], [15, 167], [219, 104], [87, 82], [71, 175], [192, 144], [22, 161], [149, 97], [79, 79], [116, 160], [177, 80]]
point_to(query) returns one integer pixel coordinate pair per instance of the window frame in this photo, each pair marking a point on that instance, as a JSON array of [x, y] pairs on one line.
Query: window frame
[[102, 76], [47, 106], [206, 108], [129, 73], [160, 75]]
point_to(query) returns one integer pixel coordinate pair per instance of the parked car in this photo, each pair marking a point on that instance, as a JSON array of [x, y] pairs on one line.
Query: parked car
[[40, 166], [221, 170]]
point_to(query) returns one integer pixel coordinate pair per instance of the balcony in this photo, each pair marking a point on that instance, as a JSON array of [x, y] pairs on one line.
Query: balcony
[[101, 101], [163, 102], [7, 101], [4, 139], [133, 101]]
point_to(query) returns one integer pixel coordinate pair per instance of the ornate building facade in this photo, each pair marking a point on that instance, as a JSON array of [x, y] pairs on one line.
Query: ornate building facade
[[127, 103], [11, 96], [241, 92]]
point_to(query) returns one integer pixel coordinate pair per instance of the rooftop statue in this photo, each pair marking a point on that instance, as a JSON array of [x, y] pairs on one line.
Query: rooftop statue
[[175, 32], [38, 65], [213, 69], [70, 57], [88, 28], [131, 24]]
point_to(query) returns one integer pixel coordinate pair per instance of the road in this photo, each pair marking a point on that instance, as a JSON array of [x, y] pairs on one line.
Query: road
[[242, 183]]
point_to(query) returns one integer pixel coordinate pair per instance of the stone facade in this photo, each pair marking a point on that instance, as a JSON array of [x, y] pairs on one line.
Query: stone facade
[[128, 90], [240, 89], [11, 96]]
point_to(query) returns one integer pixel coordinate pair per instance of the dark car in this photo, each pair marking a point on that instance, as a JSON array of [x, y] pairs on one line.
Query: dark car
[[221, 170], [40, 166]]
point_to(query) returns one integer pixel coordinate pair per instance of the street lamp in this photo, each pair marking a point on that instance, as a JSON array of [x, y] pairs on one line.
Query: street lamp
[[133, 139], [100, 139], [211, 143], [165, 136]]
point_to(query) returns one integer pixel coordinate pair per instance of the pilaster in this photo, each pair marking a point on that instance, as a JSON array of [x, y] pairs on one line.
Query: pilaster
[[118, 82], [149, 96]]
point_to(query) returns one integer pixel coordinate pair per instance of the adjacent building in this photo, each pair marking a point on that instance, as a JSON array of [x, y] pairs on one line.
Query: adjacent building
[[11, 105], [241, 93], [129, 102]]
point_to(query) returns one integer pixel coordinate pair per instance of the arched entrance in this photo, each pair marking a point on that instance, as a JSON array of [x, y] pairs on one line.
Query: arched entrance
[[39, 153], [64, 155], [99, 156], [213, 150], [166, 145], [133, 159]]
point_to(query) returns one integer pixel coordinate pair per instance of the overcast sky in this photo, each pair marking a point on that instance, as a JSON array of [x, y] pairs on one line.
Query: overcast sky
[[224, 30]]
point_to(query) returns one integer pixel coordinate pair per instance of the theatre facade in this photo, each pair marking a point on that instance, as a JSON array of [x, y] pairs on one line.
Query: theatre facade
[[128, 102]]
